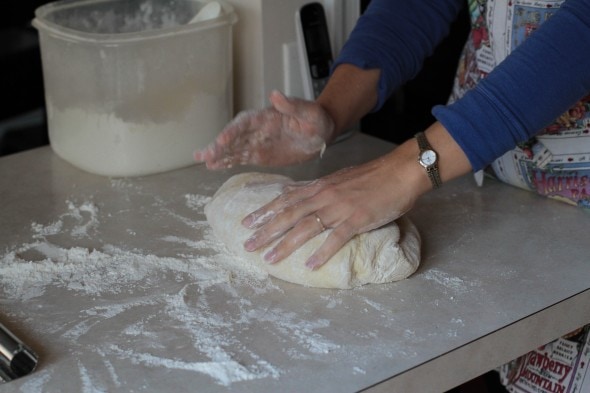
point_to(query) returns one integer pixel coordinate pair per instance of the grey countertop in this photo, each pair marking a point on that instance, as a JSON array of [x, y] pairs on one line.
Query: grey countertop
[[119, 285]]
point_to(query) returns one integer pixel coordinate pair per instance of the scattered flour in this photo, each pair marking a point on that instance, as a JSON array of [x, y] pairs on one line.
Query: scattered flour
[[84, 216], [454, 284], [91, 272], [119, 307], [225, 372], [358, 370], [375, 305], [196, 202], [113, 285], [332, 302], [36, 385]]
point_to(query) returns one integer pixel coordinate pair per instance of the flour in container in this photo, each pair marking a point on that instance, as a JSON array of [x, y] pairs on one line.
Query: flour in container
[[107, 144]]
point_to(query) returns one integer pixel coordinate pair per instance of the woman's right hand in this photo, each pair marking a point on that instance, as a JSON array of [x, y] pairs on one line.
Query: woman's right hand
[[289, 131]]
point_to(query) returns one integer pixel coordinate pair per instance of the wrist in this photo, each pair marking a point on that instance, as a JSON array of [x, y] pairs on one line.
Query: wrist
[[407, 178], [415, 176], [451, 160], [350, 93], [428, 159]]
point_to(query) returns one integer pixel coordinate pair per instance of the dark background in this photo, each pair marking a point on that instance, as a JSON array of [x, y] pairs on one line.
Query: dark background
[[408, 110], [22, 114]]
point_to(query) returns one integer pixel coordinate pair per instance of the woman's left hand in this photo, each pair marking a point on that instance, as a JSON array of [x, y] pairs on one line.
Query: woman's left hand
[[351, 201]]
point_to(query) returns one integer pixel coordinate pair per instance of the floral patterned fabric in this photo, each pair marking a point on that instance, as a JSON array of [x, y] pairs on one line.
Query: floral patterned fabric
[[555, 163]]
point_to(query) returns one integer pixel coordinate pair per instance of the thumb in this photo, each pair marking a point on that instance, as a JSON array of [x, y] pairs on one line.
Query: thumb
[[285, 105]]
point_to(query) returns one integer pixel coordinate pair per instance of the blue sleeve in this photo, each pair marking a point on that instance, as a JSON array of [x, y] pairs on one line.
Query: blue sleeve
[[396, 36], [534, 85]]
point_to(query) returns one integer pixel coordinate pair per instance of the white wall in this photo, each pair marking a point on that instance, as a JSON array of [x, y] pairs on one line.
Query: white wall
[[264, 46]]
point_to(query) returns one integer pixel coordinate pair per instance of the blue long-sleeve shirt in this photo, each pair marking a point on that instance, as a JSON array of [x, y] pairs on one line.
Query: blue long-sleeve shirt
[[535, 84]]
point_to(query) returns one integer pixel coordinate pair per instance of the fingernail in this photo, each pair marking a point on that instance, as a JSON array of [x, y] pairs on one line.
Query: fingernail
[[271, 256], [250, 244], [248, 221], [312, 263]]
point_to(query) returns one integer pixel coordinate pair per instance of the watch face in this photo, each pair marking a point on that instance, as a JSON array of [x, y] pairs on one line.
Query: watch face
[[428, 157]]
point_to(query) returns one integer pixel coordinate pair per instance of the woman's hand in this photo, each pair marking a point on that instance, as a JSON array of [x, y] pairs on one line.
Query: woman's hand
[[350, 201], [289, 131]]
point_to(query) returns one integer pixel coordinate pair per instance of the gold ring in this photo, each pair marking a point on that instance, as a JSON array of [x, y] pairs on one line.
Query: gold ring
[[319, 220]]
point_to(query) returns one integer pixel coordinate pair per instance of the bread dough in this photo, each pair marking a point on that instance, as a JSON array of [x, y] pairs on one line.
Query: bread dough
[[386, 254]]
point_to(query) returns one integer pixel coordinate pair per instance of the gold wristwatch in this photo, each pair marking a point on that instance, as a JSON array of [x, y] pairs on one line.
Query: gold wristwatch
[[428, 159]]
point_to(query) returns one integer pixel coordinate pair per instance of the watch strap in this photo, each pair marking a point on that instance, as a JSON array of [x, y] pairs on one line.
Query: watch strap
[[431, 170]]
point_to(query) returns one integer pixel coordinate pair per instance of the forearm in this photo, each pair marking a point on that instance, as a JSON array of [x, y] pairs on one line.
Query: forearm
[[349, 95], [386, 48], [535, 84], [396, 36], [352, 92]]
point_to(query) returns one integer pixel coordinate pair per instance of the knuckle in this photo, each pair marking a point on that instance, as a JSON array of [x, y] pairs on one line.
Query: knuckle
[[328, 192], [360, 219]]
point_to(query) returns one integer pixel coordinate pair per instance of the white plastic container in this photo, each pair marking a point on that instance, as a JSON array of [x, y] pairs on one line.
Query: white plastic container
[[132, 88]]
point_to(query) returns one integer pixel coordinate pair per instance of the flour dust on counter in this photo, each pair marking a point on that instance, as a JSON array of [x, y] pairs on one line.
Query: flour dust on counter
[[451, 284], [115, 307]]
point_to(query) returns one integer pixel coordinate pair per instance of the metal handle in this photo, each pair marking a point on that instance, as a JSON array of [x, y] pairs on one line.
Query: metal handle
[[16, 359]]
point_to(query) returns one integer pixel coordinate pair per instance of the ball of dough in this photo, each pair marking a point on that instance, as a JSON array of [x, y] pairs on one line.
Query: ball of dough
[[386, 254]]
